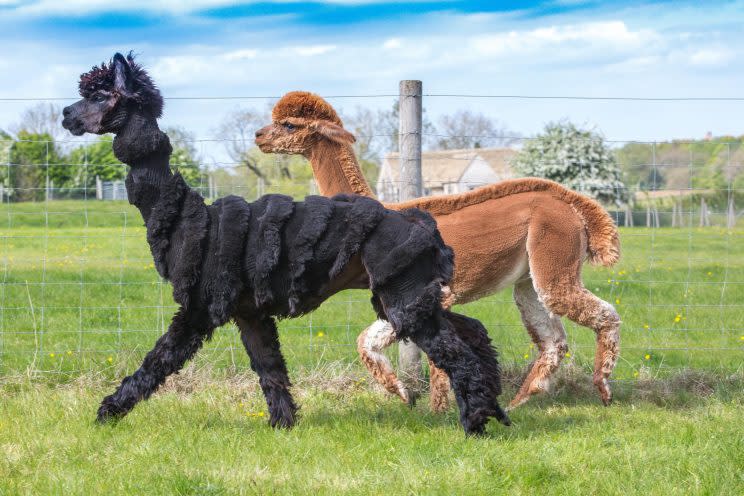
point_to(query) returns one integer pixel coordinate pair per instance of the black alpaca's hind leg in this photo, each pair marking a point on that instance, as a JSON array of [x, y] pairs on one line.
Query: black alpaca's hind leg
[[261, 341], [171, 351], [476, 336], [475, 398]]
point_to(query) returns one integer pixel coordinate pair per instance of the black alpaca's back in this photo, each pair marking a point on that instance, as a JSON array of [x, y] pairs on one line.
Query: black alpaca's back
[[277, 257]]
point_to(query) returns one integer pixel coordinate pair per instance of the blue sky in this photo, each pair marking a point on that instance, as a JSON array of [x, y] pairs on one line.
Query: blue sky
[[358, 47]]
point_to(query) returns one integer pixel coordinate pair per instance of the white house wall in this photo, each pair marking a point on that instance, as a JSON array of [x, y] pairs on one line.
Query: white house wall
[[477, 174]]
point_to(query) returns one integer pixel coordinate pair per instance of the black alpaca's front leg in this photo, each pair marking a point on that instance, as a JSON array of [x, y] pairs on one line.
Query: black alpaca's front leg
[[171, 351], [261, 340]]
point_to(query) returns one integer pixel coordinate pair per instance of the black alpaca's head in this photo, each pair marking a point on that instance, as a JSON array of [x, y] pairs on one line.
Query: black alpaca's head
[[111, 93]]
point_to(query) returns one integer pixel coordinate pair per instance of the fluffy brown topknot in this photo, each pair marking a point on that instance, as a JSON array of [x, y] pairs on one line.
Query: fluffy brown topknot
[[140, 87], [303, 104]]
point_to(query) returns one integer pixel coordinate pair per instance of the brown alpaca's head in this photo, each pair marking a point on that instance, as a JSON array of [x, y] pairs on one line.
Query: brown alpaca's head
[[300, 121], [111, 93]]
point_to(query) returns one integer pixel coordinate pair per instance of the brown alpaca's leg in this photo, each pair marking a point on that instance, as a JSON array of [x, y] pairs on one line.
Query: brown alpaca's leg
[[439, 389], [370, 344], [559, 287], [548, 334]]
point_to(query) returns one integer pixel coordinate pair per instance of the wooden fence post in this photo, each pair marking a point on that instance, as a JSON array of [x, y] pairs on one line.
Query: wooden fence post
[[409, 147]]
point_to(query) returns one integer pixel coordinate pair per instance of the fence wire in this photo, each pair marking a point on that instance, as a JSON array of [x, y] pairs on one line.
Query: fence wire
[[79, 290]]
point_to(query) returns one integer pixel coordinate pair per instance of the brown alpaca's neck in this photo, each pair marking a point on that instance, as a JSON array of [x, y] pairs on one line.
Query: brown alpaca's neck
[[336, 170]]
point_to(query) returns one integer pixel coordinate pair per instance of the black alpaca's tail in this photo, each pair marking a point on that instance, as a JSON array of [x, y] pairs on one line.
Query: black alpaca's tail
[[475, 335]]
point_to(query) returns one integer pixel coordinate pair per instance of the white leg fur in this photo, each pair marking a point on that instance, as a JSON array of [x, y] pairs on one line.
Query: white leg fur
[[370, 344], [547, 332]]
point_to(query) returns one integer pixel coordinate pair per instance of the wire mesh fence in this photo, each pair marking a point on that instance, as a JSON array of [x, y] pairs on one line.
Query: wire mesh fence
[[79, 290]]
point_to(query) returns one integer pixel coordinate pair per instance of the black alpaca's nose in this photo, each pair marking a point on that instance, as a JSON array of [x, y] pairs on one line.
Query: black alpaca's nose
[[259, 133], [66, 111]]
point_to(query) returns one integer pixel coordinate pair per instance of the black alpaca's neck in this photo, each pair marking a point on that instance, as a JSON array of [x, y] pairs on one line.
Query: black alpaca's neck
[[146, 150]]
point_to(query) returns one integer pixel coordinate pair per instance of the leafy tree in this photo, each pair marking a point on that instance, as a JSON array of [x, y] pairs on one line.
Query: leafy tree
[[576, 158], [185, 158], [96, 159], [33, 159]]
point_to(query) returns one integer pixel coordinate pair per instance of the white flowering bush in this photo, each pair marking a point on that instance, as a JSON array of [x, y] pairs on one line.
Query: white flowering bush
[[578, 159]]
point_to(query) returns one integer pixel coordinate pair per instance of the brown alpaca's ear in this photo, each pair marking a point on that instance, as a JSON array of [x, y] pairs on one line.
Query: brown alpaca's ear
[[333, 132]]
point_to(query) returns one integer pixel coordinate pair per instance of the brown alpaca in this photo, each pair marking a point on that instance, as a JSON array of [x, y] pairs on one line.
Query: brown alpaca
[[532, 234]]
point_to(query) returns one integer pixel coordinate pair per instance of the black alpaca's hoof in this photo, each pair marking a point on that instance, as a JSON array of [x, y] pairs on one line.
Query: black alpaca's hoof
[[108, 413], [282, 422], [282, 414], [475, 430], [502, 417], [474, 425]]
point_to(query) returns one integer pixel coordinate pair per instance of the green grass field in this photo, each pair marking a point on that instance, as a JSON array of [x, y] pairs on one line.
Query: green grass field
[[81, 304]]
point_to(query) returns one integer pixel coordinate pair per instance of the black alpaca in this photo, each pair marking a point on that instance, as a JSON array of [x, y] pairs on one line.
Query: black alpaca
[[274, 257]]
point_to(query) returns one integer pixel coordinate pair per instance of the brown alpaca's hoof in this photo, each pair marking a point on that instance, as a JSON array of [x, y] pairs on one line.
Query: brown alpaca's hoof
[[605, 393]]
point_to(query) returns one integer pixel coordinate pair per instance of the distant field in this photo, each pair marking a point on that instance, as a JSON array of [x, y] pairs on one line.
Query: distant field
[[80, 294]]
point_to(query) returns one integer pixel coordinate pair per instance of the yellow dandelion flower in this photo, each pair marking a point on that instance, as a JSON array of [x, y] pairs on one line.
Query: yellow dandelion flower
[[646, 326], [51, 355], [710, 273], [635, 374], [320, 334], [609, 280], [526, 355], [110, 359], [647, 357], [617, 301], [742, 338], [568, 354], [260, 414], [677, 318], [69, 353]]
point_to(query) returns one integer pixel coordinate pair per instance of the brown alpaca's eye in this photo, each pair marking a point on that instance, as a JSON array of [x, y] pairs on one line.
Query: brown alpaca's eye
[[288, 126]]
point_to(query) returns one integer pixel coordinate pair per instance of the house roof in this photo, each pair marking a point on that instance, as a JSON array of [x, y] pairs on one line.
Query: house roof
[[447, 166]]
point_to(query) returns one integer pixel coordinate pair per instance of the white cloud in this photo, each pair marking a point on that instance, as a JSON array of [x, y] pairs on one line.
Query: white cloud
[[246, 53], [312, 50], [592, 35], [710, 57], [392, 44], [635, 64]]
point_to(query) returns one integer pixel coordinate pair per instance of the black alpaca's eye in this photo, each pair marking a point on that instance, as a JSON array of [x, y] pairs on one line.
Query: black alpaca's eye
[[99, 98], [288, 126]]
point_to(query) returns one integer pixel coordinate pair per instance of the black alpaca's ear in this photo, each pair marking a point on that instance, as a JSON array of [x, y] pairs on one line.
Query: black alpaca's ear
[[122, 73]]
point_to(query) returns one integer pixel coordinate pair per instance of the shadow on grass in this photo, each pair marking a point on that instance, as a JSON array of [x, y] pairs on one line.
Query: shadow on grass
[[685, 388]]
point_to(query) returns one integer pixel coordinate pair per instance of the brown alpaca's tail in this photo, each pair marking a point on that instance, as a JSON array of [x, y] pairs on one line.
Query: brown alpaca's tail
[[603, 243]]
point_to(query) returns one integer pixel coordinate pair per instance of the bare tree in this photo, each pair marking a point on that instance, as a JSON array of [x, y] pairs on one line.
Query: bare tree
[[42, 118], [465, 129], [377, 132], [238, 129]]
